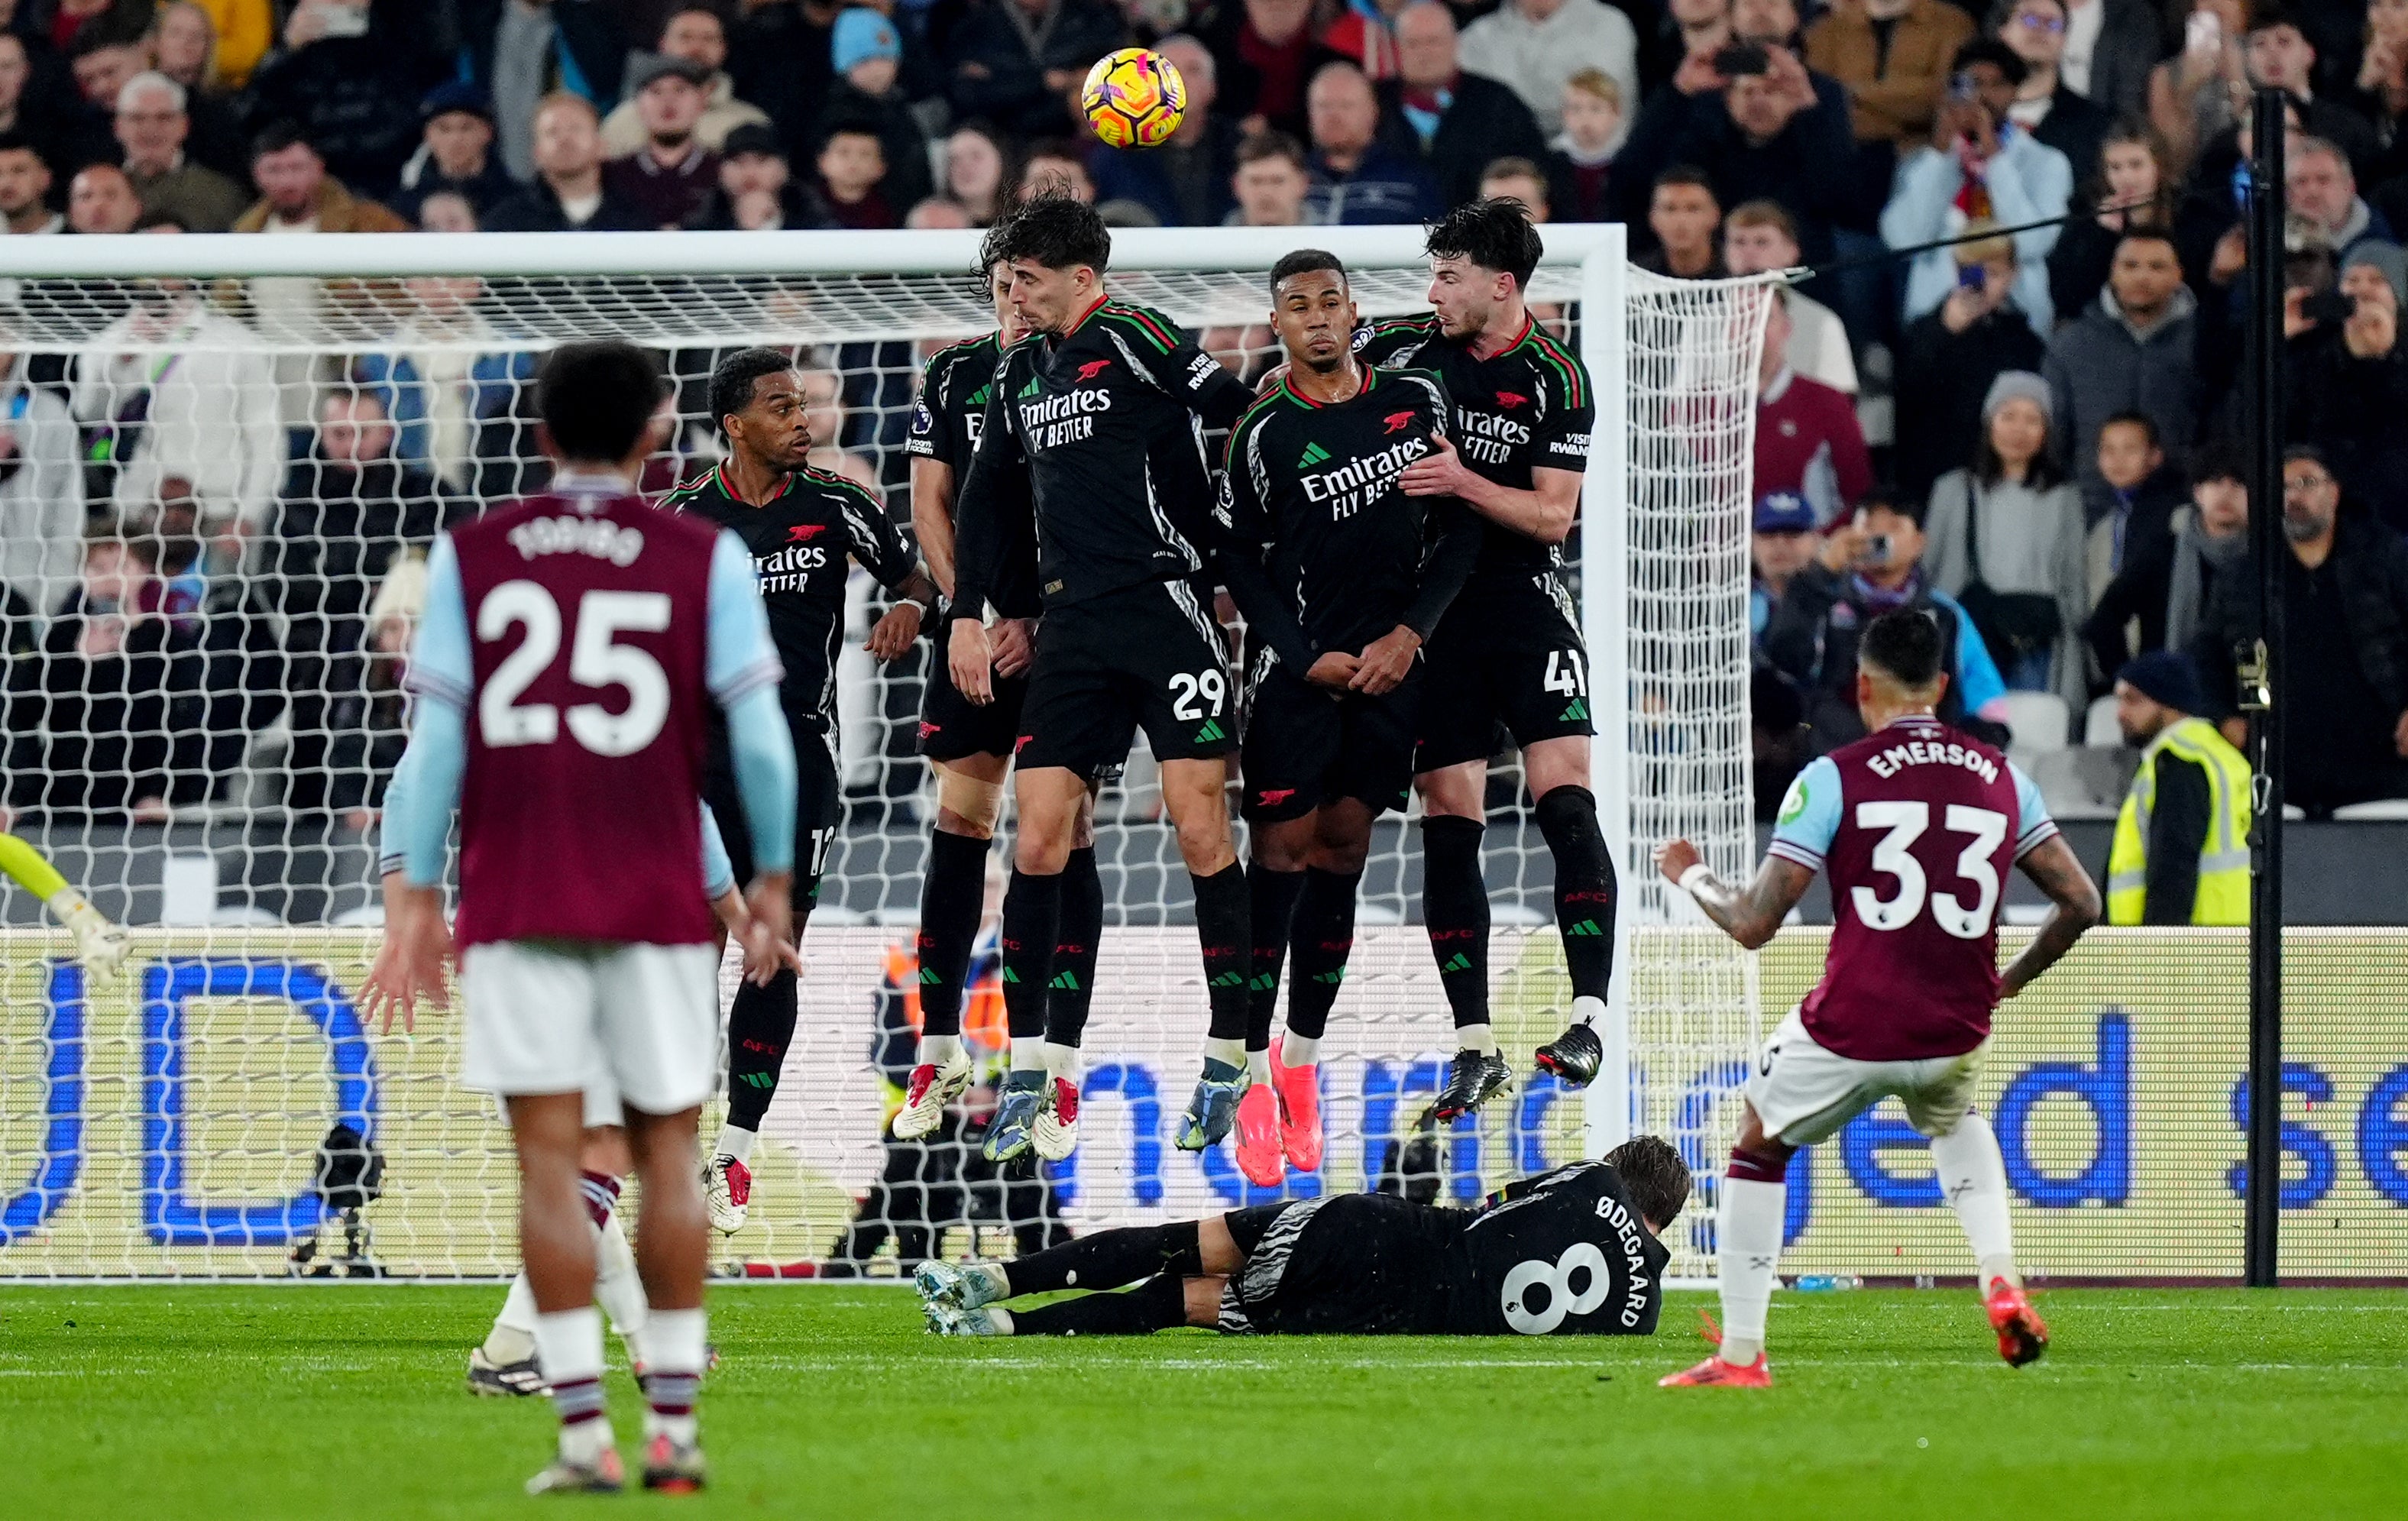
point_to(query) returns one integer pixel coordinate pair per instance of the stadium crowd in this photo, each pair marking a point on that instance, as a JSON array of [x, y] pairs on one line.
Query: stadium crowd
[[2020, 429]]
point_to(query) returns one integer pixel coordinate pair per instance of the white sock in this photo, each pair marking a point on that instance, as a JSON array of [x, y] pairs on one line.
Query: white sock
[[1481, 1037], [674, 1374], [1231, 1051], [1299, 1050], [1258, 1065], [617, 1288], [1063, 1062], [512, 1338], [736, 1143], [1974, 1178], [1028, 1053], [1588, 1010], [1002, 1319], [938, 1050], [569, 1343], [1749, 1242]]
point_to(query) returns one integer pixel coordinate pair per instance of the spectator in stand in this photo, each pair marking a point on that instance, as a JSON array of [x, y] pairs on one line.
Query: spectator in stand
[[1979, 165], [2148, 491], [2004, 537], [2347, 390], [2160, 600], [1455, 122], [853, 174], [1807, 441], [101, 199], [867, 54], [2135, 175], [184, 45], [1894, 56], [937, 213], [1357, 180], [1869, 564], [1758, 238], [1270, 183], [2383, 88], [25, 188], [2134, 350], [695, 35], [2323, 192], [1699, 29], [89, 715], [1016, 62], [240, 34], [1773, 136], [1366, 32], [368, 723], [1185, 182], [569, 194], [152, 127], [1519, 179], [2054, 112], [2110, 48], [2279, 54], [2197, 95], [41, 493], [1537, 45], [297, 194], [447, 211], [758, 192], [667, 179], [1267, 59], [1055, 168], [346, 78], [2346, 645], [456, 155], [174, 388], [1684, 218], [24, 111], [1781, 544], [105, 54], [778, 57], [1581, 160], [450, 384], [976, 172]]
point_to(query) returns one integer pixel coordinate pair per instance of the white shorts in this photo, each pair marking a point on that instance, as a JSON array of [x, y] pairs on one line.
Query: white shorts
[[1804, 1093], [640, 1020], [602, 1110]]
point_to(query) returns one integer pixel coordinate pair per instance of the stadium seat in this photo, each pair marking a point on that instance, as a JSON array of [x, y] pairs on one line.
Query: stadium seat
[[2098, 726], [2384, 808], [2087, 782], [2038, 723]]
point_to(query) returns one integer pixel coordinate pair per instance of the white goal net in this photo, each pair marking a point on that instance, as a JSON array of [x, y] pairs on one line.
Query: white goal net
[[222, 460]]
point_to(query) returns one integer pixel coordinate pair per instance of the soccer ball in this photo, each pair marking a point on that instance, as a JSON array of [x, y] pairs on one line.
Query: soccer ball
[[1134, 99]]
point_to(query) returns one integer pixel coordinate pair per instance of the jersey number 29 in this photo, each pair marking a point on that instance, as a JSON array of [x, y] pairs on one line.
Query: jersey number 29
[[1902, 824], [595, 659]]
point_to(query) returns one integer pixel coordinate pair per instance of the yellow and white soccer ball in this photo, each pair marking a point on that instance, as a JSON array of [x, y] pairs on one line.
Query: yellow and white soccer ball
[[1134, 99]]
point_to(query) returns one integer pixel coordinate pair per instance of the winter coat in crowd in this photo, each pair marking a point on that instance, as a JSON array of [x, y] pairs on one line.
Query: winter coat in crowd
[[2162, 594], [1483, 122], [2028, 182], [2102, 363], [1943, 379], [1894, 90], [2031, 543], [1536, 57]]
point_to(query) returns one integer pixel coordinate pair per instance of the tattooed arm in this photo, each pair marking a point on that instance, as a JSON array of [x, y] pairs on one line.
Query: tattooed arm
[[1748, 914], [2053, 869]]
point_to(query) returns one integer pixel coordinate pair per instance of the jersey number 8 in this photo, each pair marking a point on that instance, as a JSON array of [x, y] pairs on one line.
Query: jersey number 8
[[595, 660], [1903, 823], [1558, 1278]]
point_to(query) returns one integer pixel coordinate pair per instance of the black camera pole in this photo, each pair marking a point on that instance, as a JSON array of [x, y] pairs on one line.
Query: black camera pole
[[2261, 689]]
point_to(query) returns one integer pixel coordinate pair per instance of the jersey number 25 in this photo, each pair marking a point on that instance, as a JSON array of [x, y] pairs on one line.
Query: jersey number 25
[[1902, 824], [595, 660]]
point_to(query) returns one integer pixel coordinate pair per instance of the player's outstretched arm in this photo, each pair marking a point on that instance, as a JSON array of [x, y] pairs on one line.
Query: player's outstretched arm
[[1750, 914], [100, 943], [2054, 871]]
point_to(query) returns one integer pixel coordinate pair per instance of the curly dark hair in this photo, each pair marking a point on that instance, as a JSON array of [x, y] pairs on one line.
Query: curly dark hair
[[597, 398], [734, 378], [1055, 231], [1494, 234], [1657, 1179]]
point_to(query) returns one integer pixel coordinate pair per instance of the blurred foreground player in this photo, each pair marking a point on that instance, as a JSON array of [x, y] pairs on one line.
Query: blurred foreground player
[[1917, 824], [582, 630], [1571, 1251]]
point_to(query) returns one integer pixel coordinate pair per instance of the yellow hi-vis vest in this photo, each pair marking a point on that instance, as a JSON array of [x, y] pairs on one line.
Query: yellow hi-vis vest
[[2224, 857]]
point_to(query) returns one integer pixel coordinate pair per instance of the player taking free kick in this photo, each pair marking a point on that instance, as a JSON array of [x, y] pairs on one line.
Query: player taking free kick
[[561, 673], [1917, 824]]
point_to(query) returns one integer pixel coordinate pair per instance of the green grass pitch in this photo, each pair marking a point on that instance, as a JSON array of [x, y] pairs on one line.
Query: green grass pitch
[[338, 1401]]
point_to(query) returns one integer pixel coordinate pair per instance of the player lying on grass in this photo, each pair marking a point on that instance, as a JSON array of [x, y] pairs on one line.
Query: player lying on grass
[[1570, 1252], [1917, 824], [100, 944]]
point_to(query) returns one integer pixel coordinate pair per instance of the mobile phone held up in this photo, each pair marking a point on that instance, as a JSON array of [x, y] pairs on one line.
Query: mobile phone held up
[[1974, 278], [1741, 58]]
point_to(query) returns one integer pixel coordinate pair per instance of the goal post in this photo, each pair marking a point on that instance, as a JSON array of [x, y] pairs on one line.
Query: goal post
[[171, 1126]]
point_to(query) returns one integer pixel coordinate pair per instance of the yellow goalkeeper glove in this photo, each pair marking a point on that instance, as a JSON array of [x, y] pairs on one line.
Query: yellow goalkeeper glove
[[100, 943]]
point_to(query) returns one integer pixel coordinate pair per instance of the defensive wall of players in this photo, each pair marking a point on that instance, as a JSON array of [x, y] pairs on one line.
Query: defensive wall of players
[[168, 1124]]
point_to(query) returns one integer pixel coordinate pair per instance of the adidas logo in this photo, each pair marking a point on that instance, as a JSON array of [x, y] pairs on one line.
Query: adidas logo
[[758, 1080], [930, 974], [1027, 391], [1457, 962], [1586, 929], [1010, 976], [1262, 982], [979, 397], [1065, 983], [1313, 455], [1577, 712], [1210, 732], [1228, 979], [1330, 978]]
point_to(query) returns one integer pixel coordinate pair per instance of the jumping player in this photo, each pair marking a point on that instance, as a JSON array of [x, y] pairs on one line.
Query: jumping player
[[1568, 1253], [1355, 582], [1508, 657], [562, 669], [1094, 423], [801, 526], [969, 746], [1917, 824]]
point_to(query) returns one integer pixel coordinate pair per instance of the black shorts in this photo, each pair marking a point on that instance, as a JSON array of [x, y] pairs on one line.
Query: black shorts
[[1306, 747], [819, 808], [953, 728], [1339, 1264], [1507, 659], [1147, 656]]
